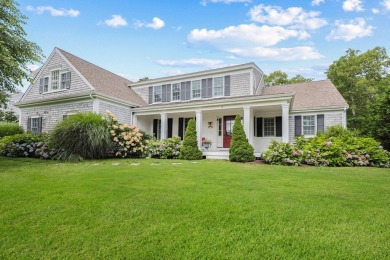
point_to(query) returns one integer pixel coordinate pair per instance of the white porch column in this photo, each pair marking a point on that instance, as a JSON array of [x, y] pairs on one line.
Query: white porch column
[[163, 126], [199, 127], [285, 126], [248, 118], [134, 121]]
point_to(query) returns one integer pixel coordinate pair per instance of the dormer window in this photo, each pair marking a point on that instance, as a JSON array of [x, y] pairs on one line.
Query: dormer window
[[58, 80], [218, 87], [195, 85], [176, 91]]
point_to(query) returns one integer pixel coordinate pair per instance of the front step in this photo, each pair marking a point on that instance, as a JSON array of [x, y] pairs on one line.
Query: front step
[[222, 155]]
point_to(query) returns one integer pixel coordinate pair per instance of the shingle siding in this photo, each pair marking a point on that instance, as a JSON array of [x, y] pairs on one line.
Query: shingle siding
[[143, 93], [259, 82], [333, 119], [240, 84], [76, 84], [52, 114], [123, 114]]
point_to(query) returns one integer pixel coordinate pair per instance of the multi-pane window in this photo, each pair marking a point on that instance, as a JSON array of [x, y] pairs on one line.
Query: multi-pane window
[[65, 80], [157, 93], [218, 86], [195, 87], [55, 78], [34, 125], [176, 91], [269, 126], [309, 126]]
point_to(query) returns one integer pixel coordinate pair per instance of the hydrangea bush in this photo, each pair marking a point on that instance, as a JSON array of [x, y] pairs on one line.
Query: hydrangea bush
[[335, 147], [165, 149], [127, 138], [22, 145]]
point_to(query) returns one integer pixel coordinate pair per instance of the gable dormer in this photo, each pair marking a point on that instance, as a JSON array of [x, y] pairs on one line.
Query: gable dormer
[[239, 80], [57, 77]]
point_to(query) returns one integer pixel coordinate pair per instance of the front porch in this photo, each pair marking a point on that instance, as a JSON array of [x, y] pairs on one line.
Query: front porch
[[262, 122]]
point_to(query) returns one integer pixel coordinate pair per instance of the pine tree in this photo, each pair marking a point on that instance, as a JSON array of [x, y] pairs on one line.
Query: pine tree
[[240, 149], [189, 149]]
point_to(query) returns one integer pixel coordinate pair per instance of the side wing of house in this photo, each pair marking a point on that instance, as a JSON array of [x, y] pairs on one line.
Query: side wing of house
[[58, 90]]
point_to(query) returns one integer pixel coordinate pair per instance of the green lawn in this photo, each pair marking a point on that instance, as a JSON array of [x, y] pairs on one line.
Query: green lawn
[[208, 209]]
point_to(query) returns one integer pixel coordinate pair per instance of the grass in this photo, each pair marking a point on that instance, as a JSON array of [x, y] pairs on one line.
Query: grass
[[203, 210]]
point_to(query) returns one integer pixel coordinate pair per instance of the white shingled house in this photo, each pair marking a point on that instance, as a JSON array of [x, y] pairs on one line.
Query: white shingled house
[[66, 84]]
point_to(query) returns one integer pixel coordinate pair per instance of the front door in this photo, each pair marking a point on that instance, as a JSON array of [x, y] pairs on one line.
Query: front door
[[228, 122]]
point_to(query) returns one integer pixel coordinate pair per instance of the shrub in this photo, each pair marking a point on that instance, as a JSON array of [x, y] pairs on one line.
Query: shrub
[[127, 139], [7, 129], [189, 149], [81, 136], [165, 149], [283, 154], [240, 149], [22, 145], [335, 147]]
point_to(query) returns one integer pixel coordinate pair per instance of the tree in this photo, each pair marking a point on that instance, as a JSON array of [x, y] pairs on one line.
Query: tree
[[361, 79], [15, 51], [8, 116], [281, 78], [189, 149], [240, 149], [143, 79]]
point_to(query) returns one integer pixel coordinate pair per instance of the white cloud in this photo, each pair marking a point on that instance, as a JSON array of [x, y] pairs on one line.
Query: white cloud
[[317, 2], [33, 67], [279, 54], [116, 21], [53, 11], [351, 30], [156, 24], [191, 63], [295, 17], [204, 2], [241, 35], [173, 72], [353, 5], [386, 4], [375, 10]]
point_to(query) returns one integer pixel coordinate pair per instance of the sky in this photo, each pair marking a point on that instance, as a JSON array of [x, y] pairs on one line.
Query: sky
[[158, 38]]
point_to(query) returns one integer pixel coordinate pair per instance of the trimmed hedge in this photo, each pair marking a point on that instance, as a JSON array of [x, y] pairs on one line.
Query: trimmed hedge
[[189, 149], [240, 149], [7, 129]]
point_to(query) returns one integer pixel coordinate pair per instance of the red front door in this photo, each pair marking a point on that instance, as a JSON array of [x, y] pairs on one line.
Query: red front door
[[228, 122]]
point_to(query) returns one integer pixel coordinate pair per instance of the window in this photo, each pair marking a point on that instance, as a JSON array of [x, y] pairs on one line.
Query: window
[[35, 125], [195, 86], [218, 86], [55, 77], [309, 125], [176, 91], [157, 94], [269, 126], [219, 126], [65, 80]]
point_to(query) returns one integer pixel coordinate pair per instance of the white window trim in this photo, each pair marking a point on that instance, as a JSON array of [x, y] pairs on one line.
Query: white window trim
[[49, 88], [179, 83], [223, 86], [274, 135], [200, 89], [315, 125], [31, 126], [61, 73], [154, 94]]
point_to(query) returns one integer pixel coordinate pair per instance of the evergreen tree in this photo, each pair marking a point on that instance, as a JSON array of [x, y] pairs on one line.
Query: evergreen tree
[[240, 149], [189, 149]]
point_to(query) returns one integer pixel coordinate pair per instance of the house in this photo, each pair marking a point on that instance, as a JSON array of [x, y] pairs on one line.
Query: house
[[14, 98], [67, 84]]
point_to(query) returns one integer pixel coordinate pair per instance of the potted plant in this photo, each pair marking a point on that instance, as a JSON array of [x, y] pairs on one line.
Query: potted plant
[[207, 143]]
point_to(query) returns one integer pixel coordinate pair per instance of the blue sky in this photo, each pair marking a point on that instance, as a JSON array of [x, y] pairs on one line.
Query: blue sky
[[157, 38]]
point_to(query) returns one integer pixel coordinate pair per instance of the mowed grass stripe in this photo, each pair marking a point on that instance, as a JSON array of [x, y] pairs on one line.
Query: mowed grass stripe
[[208, 209]]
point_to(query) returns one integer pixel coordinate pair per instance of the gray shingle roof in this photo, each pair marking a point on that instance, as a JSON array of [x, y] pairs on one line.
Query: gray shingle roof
[[315, 94], [103, 81]]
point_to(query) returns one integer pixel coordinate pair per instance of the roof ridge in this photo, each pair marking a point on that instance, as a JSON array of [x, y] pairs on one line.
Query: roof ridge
[[63, 51], [292, 84]]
